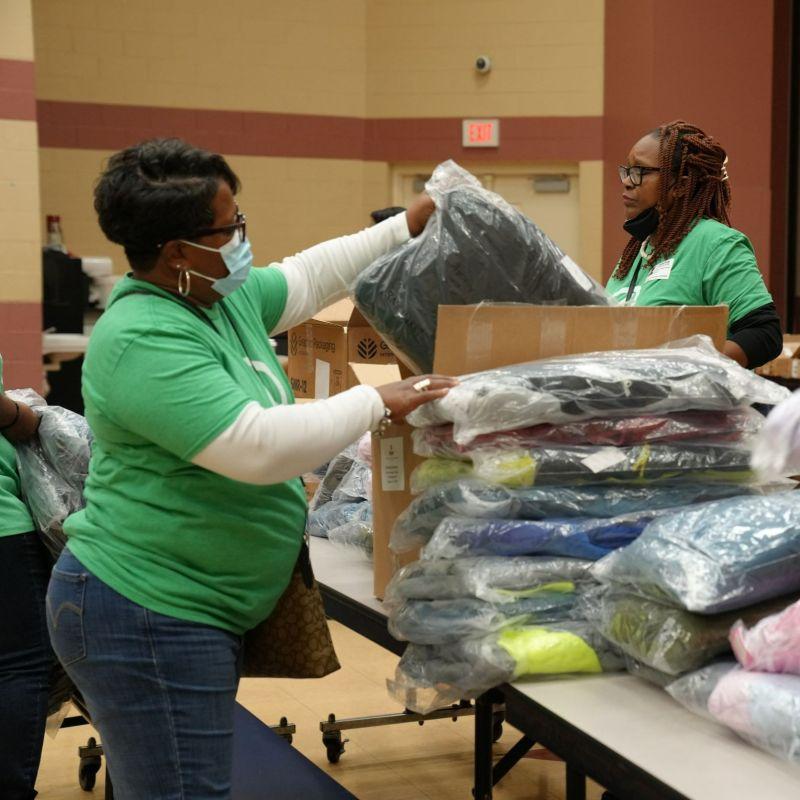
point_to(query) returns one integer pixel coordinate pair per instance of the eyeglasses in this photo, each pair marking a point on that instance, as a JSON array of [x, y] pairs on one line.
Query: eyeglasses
[[239, 223], [634, 174]]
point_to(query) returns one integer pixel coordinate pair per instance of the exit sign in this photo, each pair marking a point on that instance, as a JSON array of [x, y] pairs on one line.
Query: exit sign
[[480, 133]]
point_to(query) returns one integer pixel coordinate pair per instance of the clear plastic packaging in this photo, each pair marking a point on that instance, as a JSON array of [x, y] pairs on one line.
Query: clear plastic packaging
[[694, 689], [476, 247], [494, 579], [772, 645], [433, 676], [762, 708], [324, 519], [714, 557], [364, 448], [661, 636], [356, 484], [776, 451], [652, 676], [570, 465], [338, 467], [53, 467], [443, 621], [682, 376], [356, 536], [580, 537], [475, 498], [697, 427]]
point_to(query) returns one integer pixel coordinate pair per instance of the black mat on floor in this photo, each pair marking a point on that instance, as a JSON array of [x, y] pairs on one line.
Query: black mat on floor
[[266, 767]]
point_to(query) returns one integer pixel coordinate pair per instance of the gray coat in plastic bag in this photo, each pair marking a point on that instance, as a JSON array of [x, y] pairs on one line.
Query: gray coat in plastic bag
[[688, 374], [476, 247], [53, 467]]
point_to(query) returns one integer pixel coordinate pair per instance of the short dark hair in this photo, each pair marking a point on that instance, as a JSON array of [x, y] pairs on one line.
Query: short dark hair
[[155, 191], [380, 214]]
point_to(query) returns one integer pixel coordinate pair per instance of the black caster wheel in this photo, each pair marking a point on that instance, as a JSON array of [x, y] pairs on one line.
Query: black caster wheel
[[88, 768], [284, 723], [334, 746], [497, 728]]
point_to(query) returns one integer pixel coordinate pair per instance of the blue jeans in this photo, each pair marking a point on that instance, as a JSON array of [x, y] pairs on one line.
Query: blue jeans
[[25, 662], [159, 690]]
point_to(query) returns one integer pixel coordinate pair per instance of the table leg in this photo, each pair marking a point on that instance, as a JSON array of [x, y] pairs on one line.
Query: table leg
[[484, 723], [576, 784]]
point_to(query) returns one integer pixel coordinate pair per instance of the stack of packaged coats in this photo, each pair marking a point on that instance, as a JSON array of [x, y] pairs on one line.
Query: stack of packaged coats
[[341, 509], [553, 465], [669, 599], [758, 696]]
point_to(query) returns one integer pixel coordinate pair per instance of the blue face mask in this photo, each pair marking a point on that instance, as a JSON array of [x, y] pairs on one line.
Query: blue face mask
[[238, 258]]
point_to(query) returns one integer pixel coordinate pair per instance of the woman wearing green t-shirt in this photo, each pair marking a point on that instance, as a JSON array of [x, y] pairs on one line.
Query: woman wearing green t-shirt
[[25, 655], [682, 250], [194, 515]]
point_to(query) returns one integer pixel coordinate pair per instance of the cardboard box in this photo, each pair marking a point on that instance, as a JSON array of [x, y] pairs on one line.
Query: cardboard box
[[321, 349], [787, 364], [475, 338]]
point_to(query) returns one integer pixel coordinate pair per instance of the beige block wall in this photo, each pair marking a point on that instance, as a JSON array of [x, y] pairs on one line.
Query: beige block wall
[[20, 264], [590, 179], [20, 270], [374, 58], [16, 30], [547, 58], [305, 57], [291, 203]]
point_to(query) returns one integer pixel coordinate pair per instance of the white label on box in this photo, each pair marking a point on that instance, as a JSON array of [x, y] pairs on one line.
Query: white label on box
[[393, 467], [322, 380], [661, 272], [604, 459], [577, 273]]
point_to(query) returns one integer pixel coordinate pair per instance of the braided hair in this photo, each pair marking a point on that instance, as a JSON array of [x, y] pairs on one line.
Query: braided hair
[[692, 167]]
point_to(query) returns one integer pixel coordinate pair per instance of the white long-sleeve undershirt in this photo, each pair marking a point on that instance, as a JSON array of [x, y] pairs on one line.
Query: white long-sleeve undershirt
[[324, 273], [270, 445]]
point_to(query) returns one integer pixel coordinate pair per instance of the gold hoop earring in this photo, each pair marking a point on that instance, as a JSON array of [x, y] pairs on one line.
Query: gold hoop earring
[[184, 283]]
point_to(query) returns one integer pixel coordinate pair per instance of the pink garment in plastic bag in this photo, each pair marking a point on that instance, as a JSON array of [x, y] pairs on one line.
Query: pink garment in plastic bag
[[772, 645]]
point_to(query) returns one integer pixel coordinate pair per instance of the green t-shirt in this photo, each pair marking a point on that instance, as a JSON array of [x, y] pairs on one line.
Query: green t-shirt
[[14, 515], [159, 385], [713, 265]]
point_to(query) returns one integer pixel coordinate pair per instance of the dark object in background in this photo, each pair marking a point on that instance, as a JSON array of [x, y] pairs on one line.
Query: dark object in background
[[65, 297], [65, 292], [476, 247], [380, 214]]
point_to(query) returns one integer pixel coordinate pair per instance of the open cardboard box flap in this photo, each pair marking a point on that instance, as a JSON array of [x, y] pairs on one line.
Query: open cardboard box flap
[[787, 364], [322, 351], [474, 338]]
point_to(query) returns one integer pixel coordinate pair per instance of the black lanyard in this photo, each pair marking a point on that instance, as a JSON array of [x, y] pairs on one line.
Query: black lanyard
[[632, 284]]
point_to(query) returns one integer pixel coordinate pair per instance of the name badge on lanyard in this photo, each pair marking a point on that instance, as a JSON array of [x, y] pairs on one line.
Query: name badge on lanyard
[[661, 272]]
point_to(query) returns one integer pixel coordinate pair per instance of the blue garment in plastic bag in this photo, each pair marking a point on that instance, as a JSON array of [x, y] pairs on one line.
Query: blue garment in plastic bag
[[716, 556], [475, 498], [576, 538]]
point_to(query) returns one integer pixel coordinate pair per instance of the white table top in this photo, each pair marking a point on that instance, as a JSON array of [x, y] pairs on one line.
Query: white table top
[[348, 572], [696, 757], [642, 723]]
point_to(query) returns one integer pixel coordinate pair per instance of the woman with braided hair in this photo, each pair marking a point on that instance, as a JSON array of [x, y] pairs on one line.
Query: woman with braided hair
[[682, 250]]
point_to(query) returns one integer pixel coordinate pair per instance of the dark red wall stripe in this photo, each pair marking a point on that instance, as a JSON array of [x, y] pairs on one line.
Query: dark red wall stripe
[[17, 97], [111, 127], [21, 344], [648, 81]]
